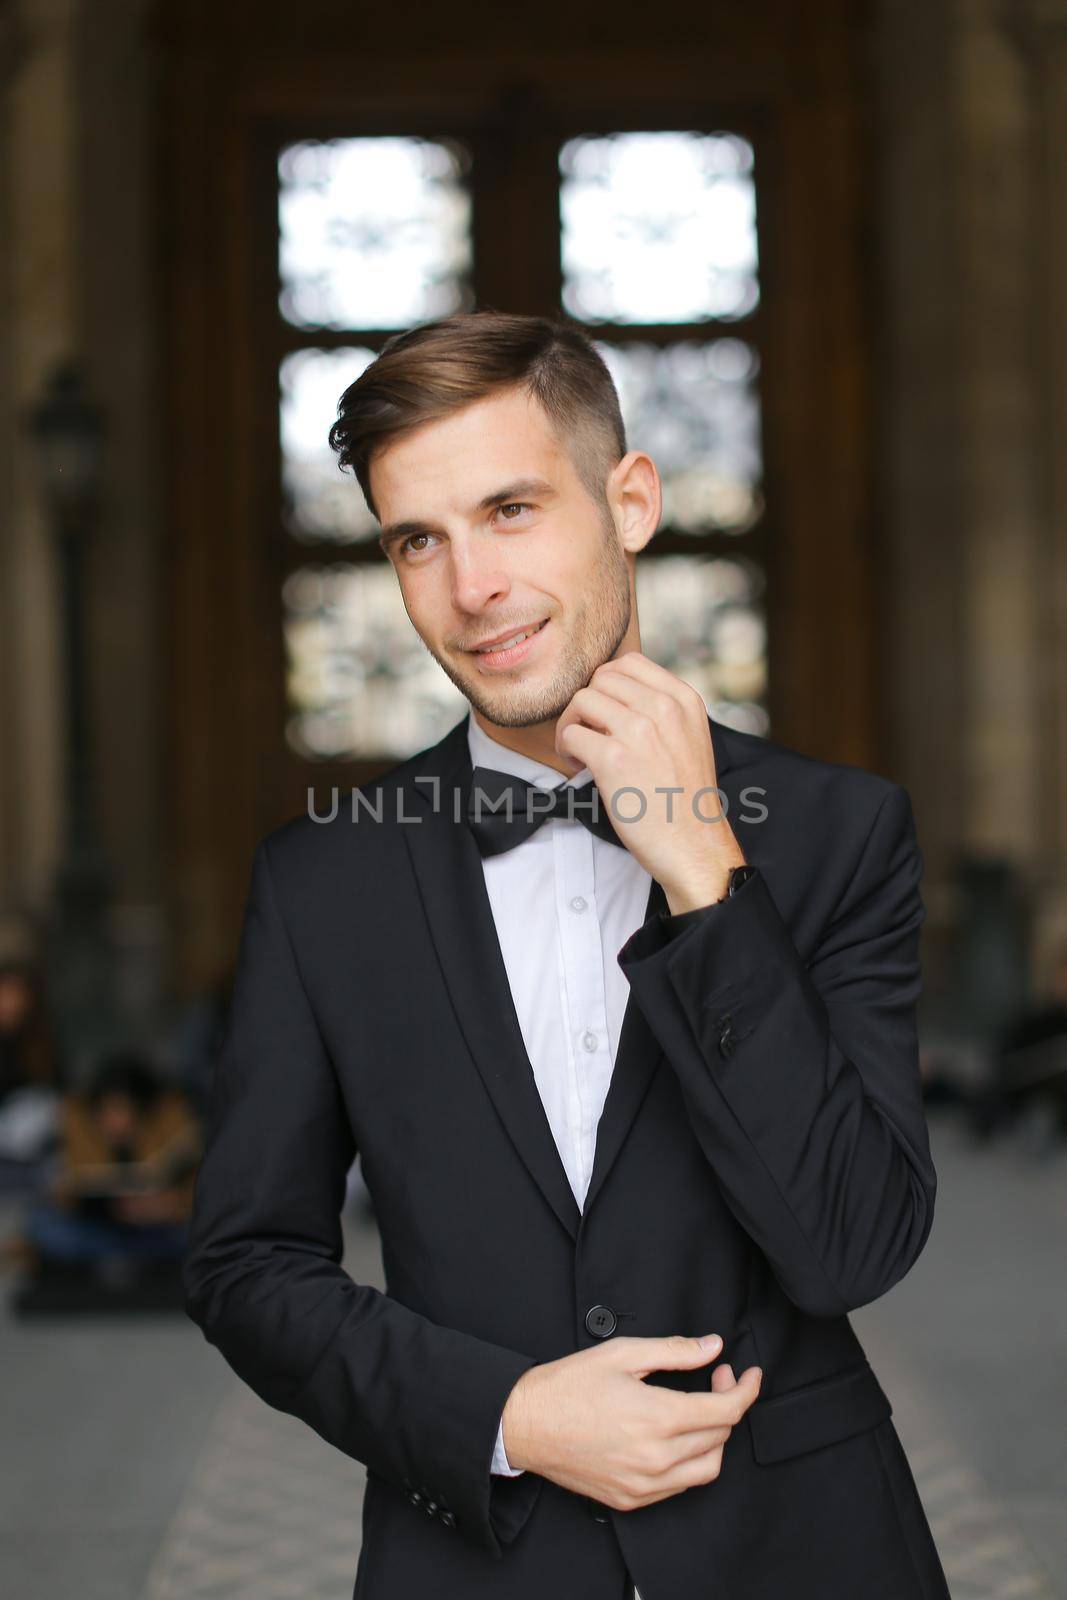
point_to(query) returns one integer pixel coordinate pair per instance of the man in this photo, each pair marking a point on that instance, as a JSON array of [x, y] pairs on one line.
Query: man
[[635, 1084]]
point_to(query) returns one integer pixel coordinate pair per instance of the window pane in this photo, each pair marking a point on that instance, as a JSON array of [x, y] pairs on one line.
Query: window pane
[[658, 227], [695, 409], [360, 681], [321, 502], [374, 233], [702, 617]]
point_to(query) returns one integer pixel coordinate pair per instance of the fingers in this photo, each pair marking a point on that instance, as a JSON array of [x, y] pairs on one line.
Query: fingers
[[684, 1432], [703, 1440], [657, 677], [703, 1468], [687, 1446], [720, 1404], [607, 713], [697, 1450], [675, 1353], [685, 1471], [580, 744], [627, 688]]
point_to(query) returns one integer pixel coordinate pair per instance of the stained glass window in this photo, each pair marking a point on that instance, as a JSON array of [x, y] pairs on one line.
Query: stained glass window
[[374, 233], [658, 227], [320, 502], [695, 408], [702, 617], [360, 681]]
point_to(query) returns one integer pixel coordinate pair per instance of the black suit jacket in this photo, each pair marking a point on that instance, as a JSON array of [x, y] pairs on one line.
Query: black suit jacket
[[761, 1168]]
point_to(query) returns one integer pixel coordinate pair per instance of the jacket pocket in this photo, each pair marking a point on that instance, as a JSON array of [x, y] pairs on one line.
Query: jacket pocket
[[815, 1414]]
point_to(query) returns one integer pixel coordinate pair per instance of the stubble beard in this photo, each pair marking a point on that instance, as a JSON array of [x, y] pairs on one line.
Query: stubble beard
[[600, 625]]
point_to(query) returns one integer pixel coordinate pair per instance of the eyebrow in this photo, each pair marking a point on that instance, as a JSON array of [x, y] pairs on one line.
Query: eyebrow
[[521, 489]]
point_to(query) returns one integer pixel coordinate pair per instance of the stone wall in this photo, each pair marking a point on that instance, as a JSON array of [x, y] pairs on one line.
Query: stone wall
[[974, 250]]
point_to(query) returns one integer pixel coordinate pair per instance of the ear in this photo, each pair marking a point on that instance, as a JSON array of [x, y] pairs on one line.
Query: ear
[[636, 499]]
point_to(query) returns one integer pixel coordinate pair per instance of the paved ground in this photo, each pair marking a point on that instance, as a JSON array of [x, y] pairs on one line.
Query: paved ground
[[134, 1467]]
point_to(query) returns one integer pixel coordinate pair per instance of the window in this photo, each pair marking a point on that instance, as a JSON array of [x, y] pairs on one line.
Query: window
[[658, 259]]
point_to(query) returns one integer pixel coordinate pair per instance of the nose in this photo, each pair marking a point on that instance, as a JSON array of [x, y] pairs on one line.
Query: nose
[[478, 580]]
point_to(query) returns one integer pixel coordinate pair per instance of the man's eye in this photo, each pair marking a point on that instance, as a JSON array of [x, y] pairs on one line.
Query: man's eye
[[513, 506], [406, 542]]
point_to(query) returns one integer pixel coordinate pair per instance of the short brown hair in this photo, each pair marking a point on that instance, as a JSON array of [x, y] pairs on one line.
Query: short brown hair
[[438, 367]]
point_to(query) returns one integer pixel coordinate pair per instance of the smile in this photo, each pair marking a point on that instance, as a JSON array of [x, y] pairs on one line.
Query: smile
[[511, 649]]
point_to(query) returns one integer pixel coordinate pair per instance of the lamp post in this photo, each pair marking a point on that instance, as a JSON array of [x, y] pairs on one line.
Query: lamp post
[[68, 431]]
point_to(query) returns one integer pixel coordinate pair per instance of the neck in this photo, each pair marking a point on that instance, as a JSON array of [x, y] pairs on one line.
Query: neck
[[538, 741]]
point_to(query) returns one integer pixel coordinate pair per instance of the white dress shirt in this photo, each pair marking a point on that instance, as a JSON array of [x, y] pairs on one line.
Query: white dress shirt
[[564, 902]]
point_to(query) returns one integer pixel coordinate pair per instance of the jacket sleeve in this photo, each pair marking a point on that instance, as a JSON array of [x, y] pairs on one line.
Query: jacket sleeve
[[417, 1403], [802, 1079]]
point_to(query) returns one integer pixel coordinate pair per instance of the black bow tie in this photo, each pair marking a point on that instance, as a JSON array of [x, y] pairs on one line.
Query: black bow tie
[[503, 810]]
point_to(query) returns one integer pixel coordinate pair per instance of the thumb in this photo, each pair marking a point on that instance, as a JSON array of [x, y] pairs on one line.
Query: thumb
[[676, 1353]]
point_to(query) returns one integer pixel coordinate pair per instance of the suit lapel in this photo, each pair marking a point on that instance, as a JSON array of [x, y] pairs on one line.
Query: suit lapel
[[449, 871], [451, 880]]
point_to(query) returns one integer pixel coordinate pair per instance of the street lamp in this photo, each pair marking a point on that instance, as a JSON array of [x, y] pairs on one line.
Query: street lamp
[[68, 431]]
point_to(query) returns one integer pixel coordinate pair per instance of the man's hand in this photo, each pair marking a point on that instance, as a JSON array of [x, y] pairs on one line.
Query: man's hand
[[638, 727], [591, 1424]]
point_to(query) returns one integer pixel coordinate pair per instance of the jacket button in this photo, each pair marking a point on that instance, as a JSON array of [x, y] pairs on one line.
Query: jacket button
[[727, 1040], [448, 1518], [601, 1322]]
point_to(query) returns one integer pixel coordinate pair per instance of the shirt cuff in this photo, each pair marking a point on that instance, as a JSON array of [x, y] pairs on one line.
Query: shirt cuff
[[501, 1465]]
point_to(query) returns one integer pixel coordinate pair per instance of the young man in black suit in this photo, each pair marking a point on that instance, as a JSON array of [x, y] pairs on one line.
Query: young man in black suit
[[631, 1065]]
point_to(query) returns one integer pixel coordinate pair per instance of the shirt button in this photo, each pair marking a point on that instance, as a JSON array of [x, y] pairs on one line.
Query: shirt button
[[589, 1039], [579, 903]]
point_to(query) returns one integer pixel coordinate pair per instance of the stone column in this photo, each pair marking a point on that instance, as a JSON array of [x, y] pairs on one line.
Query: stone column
[[40, 327], [1040, 28], [79, 229], [974, 137]]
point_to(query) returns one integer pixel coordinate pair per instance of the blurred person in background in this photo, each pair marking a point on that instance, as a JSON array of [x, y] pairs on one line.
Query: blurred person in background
[[122, 1188], [29, 1099]]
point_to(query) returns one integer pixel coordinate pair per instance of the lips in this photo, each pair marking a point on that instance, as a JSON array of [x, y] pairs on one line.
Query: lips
[[510, 641], [508, 656]]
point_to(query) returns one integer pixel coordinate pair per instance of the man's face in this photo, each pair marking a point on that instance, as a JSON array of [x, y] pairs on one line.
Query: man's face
[[492, 532]]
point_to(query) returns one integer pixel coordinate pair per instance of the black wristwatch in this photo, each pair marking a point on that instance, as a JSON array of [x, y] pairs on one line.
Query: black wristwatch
[[738, 876]]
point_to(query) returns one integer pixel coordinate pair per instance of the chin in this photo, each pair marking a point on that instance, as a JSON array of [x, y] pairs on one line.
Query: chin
[[519, 710]]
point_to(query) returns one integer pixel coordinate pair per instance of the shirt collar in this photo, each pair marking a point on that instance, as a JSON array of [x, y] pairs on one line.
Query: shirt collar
[[487, 752]]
